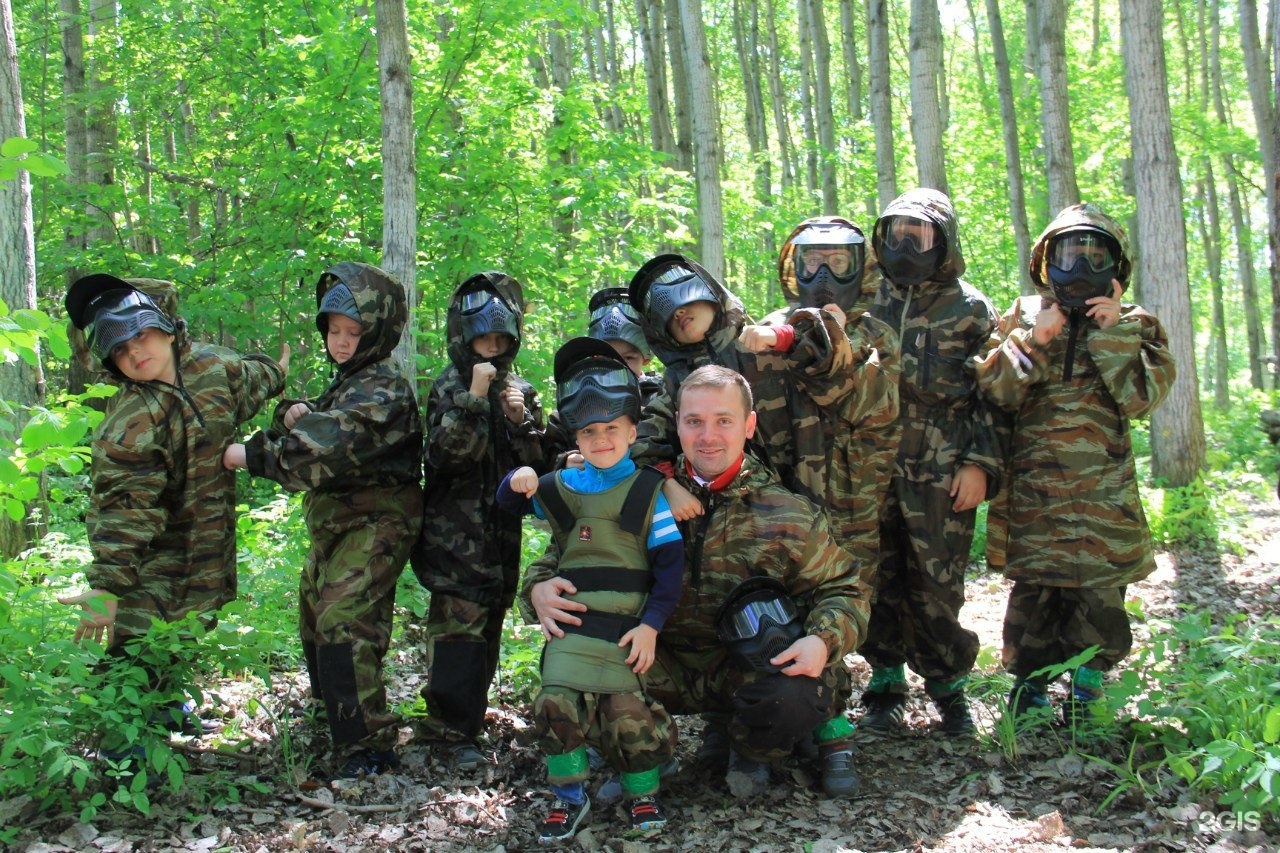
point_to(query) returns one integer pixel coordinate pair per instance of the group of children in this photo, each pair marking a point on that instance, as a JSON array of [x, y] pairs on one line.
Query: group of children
[[890, 394]]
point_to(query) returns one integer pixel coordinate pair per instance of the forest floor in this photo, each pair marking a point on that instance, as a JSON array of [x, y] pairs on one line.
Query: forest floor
[[920, 791]]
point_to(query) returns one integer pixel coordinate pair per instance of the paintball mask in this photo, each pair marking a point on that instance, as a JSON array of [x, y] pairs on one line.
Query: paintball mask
[[828, 262], [1082, 263], [336, 300], [484, 311], [666, 283], [757, 622], [909, 249], [111, 311], [594, 385], [613, 319]]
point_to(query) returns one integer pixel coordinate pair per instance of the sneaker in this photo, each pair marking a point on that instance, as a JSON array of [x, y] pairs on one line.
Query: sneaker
[[885, 711], [1029, 704], [956, 719], [646, 814], [466, 756], [839, 779], [746, 778], [610, 790], [563, 821], [181, 718], [368, 762]]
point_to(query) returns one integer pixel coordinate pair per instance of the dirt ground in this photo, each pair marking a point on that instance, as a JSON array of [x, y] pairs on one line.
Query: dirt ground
[[920, 791]]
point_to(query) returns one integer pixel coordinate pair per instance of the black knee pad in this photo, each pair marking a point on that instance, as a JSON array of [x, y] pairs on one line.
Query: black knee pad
[[781, 709]]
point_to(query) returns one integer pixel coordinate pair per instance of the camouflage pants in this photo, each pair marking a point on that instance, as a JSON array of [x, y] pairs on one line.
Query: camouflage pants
[[465, 639], [690, 680], [1047, 625], [924, 550], [347, 595], [633, 732]]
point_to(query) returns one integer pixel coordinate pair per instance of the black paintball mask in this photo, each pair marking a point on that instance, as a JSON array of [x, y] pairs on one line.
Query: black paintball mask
[[594, 385], [111, 311], [483, 311], [828, 261], [614, 319], [909, 249], [1081, 264], [666, 283], [757, 622]]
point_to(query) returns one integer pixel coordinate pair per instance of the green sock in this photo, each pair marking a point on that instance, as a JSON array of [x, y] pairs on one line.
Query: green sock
[[836, 728], [885, 678]]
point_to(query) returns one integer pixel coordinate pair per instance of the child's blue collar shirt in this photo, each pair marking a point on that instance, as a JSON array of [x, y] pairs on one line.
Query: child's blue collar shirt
[[591, 479]]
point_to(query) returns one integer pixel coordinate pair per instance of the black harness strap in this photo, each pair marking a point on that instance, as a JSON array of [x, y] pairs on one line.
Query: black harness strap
[[602, 626], [597, 578], [635, 508], [553, 503]]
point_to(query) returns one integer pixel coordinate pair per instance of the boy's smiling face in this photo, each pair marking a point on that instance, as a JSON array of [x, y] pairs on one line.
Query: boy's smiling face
[[605, 444]]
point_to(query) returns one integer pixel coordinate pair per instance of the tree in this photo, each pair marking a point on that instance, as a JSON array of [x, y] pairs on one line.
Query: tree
[[400, 174], [881, 101], [926, 108], [1177, 428], [20, 383], [1012, 150], [706, 137], [827, 150], [1055, 114]]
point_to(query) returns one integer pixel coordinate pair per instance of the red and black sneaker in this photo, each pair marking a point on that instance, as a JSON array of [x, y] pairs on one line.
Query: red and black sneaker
[[563, 820], [647, 814]]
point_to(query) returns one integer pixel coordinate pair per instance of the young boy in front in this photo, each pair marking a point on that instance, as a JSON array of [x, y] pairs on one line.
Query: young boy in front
[[356, 452], [620, 550], [482, 421], [161, 521]]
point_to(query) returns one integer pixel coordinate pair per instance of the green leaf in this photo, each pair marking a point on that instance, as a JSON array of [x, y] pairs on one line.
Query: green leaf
[[1271, 727], [16, 146], [1184, 768], [44, 166]]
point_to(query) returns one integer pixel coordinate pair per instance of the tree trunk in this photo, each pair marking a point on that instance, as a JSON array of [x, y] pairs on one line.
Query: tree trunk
[[881, 101], [102, 138], [782, 126], [649, 15], [1264, 116], [1055, 114], [399, 172], [1248, 281], [853, 92], [680, 84], [804, 29], [702, 102], [828, 152], [77, 148], [1210, 218], [1177, 429], [1031, 49], [926, 109], [746, 37], [977, 52], [1012, 150], [20, 383]]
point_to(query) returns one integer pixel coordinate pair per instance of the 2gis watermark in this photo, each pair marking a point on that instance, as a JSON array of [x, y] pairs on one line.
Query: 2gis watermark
[[1216, 823]]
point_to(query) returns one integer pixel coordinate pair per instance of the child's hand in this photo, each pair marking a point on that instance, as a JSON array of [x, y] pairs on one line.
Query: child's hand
[[642, 639], [757, 338], [836, 311], [234, 457], [1049, 323], [513, 404], [98, 621], [575, 459], [295, 413], [1105, 310], [283, 360], [481, 376], [684, 505], [524, 481], [968, 487]]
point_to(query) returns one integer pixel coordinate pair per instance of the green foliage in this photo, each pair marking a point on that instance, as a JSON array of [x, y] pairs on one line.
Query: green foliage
[[19, 153]]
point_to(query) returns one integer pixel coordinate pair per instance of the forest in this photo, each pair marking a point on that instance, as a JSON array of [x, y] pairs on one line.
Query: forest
[[240, 149]]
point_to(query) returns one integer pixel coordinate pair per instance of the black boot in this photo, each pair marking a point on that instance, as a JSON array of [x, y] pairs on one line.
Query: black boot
[[457, 690]]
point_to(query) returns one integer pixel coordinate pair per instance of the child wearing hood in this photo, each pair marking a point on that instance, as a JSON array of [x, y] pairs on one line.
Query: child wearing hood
[[482, 421], [355, 451]]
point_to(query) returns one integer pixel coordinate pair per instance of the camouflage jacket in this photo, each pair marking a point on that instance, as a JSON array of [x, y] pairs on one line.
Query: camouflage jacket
[[794, 391], [161, 521], [469, 548], [1072, 505], [943, 325], [754, 527], [364, 434]]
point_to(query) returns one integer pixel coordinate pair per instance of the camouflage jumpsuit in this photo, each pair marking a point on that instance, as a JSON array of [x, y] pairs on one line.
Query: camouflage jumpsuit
[[942, 324], [356, 455], [161, 520], [1077, 534], [469, 552]]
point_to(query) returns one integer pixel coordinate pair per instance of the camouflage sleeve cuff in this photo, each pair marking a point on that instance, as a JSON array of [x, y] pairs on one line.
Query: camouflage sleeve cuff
[[469, 402], [255, 454]]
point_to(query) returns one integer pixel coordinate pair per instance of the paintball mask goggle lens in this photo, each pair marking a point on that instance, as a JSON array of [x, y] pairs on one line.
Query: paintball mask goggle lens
[[811, 259], [476, 300], [1091, 246], [1081, 266], [756, 616], [901, 231]]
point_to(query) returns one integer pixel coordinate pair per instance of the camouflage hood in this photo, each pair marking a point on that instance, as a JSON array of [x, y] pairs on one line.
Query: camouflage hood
[[381, 303], [721, 337], [1075, 216], [460, 353], [935, 207]]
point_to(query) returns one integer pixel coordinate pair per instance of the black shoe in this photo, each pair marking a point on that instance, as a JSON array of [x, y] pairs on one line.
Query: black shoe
[[646, 814], [563, 821], [885, 711], [714, 748], [746, 778], [839, 779], [956, 718], [368, 762], [1029, 705], [466, 756], [181, 717]]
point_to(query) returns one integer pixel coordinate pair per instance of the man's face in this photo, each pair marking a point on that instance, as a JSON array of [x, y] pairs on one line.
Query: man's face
[[714, 426], [837, 258]]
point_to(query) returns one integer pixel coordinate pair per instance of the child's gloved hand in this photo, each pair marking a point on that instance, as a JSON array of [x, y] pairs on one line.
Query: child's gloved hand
[[525, 481], [481, 377]]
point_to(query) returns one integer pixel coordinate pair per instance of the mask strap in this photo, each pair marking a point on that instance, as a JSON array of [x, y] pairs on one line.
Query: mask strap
[[1072, 332]]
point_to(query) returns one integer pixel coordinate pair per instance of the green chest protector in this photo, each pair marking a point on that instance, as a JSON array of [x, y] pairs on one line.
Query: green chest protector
[[602, 538]]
